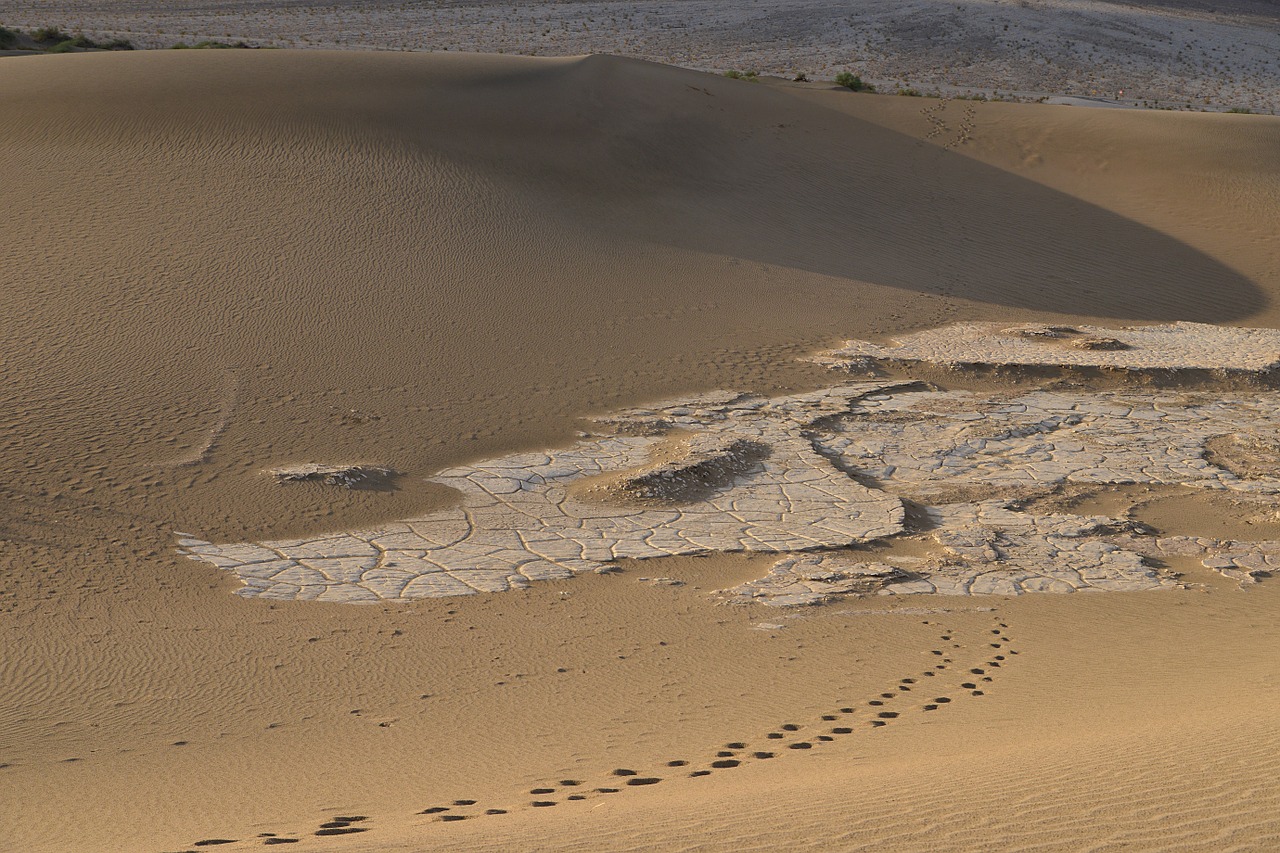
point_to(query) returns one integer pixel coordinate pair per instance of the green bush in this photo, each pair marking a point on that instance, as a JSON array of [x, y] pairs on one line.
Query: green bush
[[742, 75], [1242, 110], [910, 93], [853, 82], [211, 45], [45, 35], [7, 37]]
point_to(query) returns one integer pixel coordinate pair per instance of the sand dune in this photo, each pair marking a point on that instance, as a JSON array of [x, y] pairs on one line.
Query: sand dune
[[220, 263]]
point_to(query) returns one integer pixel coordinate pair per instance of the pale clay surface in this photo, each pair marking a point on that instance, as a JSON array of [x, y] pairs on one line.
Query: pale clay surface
[[835, 466], [1178, 346]]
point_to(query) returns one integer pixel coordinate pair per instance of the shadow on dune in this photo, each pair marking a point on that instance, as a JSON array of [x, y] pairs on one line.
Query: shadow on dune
[[729, 168], [625, 151]]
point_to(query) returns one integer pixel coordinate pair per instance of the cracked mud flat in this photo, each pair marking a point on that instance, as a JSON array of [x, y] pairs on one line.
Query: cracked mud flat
[[1177, 348], [840, 467]]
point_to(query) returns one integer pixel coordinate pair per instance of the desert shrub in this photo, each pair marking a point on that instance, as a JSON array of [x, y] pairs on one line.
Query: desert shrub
[[117, 44], [802, 77], [910, 92], [78, 42], [734, 74], [7, 36], [211, 45], [853, 82], [45, 35], [1242, 110]]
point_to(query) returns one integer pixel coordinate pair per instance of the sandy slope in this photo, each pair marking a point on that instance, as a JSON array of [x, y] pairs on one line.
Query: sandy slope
[[218, 262]]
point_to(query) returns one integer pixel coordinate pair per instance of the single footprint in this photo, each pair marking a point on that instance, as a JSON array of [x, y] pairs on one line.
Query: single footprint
[[802, 745], [495, 811], [725, 763], [643, 780], [542, 804]]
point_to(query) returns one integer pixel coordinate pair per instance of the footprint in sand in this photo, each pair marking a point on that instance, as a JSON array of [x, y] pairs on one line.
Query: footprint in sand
[[342, 825], [726, 758]]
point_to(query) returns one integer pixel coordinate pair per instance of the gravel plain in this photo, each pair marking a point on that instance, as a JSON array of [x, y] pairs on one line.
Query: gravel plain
[[1177, 54]]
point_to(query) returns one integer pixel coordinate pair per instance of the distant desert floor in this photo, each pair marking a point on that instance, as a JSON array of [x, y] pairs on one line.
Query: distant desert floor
[[1169, 54], [740, 345]]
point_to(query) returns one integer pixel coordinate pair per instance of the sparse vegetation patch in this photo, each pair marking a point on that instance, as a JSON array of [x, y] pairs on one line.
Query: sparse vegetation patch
[[853, 82], [52, 39], [212, 45]]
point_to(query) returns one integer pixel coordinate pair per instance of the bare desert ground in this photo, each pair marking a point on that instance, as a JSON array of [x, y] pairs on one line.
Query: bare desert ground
[[1176, 54], [217, 264]]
